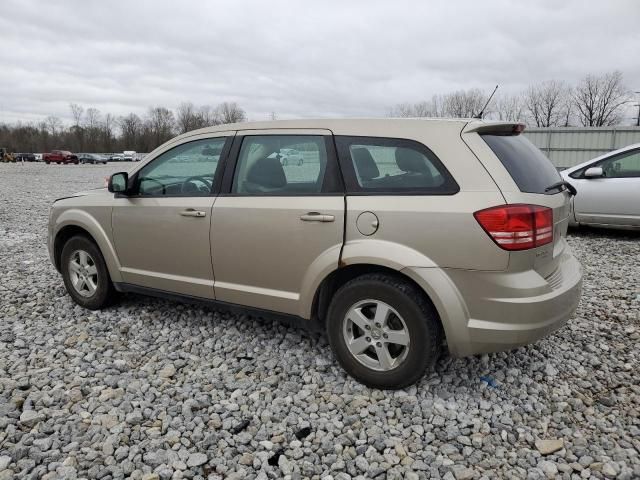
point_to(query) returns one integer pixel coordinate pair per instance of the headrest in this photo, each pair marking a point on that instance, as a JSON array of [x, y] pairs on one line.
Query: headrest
[[267, 172], [411, 161], [364, 163]]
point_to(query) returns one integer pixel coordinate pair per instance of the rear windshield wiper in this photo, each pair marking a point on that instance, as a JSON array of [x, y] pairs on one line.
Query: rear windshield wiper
[[562, 183]]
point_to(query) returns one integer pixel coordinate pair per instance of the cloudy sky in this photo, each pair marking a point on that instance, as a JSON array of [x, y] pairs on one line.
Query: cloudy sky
[[298, 58]]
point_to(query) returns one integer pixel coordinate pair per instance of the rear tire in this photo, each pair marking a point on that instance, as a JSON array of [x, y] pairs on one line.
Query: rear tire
[[405, 315], [85, 274]]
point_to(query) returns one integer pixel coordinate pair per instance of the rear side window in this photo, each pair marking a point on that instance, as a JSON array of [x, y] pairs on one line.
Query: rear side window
[[392, 165], [530, 169]]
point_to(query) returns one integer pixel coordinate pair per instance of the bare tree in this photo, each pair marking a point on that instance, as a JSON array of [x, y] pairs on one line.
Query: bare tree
[[208, 116], [131, 131], [508, 108], [92, 118], [160, 123], [464, 103], [598, 99], [53, 125], [546, 103], [230, 112], [187, 118], [77, 111]]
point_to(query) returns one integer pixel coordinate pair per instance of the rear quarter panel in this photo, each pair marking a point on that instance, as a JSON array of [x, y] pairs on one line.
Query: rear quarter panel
[[428, 230]]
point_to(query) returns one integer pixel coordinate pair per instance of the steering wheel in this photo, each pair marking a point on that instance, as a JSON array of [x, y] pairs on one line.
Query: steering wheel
[[191, 180]]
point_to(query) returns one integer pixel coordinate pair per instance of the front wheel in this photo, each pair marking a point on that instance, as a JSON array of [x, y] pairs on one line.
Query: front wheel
[[383, 331], [85, 274]]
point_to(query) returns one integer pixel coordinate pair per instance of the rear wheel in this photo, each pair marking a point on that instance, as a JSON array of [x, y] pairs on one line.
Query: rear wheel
[[85, 274], [383, 331]]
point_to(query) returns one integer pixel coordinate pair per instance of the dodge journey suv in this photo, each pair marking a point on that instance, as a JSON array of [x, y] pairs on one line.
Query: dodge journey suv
[[398, 237]]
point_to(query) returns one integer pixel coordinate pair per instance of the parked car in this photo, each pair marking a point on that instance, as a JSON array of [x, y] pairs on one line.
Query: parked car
[[608, 190], [91, 158], [129, 155], [6, 156], [117, 157], [59, 156], [24, 157], [289, 156], [38, 157], [399, 234]]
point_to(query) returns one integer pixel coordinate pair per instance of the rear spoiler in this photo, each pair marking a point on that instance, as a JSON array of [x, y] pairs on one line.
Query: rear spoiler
[[497, 128]]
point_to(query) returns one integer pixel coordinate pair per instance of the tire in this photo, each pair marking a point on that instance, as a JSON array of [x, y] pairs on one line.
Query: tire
[[409, 309], [103, 293]]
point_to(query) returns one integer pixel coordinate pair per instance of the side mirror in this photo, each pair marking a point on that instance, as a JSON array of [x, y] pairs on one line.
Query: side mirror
[[118, 182], [594, 172]]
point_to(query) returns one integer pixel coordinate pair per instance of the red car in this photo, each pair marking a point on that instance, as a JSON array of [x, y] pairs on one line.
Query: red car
[[59, 156]]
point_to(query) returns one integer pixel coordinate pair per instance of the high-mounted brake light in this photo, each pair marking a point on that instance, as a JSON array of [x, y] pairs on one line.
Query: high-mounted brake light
[[518, 226], [518, 128]]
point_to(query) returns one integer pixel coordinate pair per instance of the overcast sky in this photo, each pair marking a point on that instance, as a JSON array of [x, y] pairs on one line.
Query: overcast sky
[[298, 58]]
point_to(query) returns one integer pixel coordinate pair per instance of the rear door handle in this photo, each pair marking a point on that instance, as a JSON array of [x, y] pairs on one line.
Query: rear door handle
[[317, 217], [191, 212]]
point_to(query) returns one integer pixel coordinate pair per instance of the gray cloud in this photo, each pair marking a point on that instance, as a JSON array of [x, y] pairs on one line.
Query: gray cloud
[[298, 59]]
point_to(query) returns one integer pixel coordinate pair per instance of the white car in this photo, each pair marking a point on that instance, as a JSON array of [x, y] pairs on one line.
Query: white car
[[289, 156], [608, 190]]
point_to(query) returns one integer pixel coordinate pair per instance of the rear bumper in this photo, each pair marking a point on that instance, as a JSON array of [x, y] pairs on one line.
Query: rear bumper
[[486, 312]]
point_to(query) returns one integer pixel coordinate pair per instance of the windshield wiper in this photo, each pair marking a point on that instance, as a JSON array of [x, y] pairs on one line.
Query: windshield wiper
[[562, 183]]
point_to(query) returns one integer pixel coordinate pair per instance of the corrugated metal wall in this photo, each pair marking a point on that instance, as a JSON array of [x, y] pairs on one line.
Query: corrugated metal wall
[[568, 146]]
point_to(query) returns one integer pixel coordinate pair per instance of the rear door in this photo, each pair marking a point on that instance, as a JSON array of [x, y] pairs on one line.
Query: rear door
[[614, 198], [277, 225], [524, 175]]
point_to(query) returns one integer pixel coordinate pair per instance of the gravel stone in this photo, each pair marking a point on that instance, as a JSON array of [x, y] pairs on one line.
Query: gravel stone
[[154, 389]]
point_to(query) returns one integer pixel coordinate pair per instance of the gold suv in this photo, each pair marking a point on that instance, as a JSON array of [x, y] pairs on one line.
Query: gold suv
[[396, 236]]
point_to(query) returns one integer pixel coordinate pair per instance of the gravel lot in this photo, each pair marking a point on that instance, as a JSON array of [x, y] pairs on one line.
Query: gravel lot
[[154, 389]]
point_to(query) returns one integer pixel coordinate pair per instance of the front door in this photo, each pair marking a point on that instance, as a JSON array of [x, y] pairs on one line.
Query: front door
[[161, 231], [614, 198], [278, 225]]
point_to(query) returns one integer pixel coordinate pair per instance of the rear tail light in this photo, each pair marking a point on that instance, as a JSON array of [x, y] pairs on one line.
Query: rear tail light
[[517, 227]]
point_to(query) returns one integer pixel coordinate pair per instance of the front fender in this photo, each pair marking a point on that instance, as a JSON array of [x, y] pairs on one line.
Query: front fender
[[86, 221]]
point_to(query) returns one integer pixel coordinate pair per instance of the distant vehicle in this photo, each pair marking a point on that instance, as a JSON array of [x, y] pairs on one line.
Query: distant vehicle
[[117, 157], [60, 156], [129, 156], [91, 158], [24, 157], [5, 156], [289, 156], [608, 190], [38, 157]]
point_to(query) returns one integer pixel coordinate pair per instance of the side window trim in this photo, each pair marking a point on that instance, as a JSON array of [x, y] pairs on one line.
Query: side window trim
[[332, 186], [352, 186], [217, 174]]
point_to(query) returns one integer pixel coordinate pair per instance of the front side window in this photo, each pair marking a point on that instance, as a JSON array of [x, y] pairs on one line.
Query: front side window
[[621, 166], [281, 165], [389, 165], [186, 170]]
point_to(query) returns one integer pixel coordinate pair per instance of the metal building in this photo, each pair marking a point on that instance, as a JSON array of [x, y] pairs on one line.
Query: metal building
[[568, 146]]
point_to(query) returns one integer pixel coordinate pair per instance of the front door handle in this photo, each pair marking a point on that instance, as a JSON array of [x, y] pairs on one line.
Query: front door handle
[[191, 212], [317, 217]]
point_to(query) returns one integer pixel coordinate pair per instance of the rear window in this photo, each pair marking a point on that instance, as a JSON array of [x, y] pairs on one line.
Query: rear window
[[530, 169]]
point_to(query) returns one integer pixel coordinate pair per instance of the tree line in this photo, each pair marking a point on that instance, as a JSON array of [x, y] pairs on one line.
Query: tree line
[[595, 101], [93, 131]]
